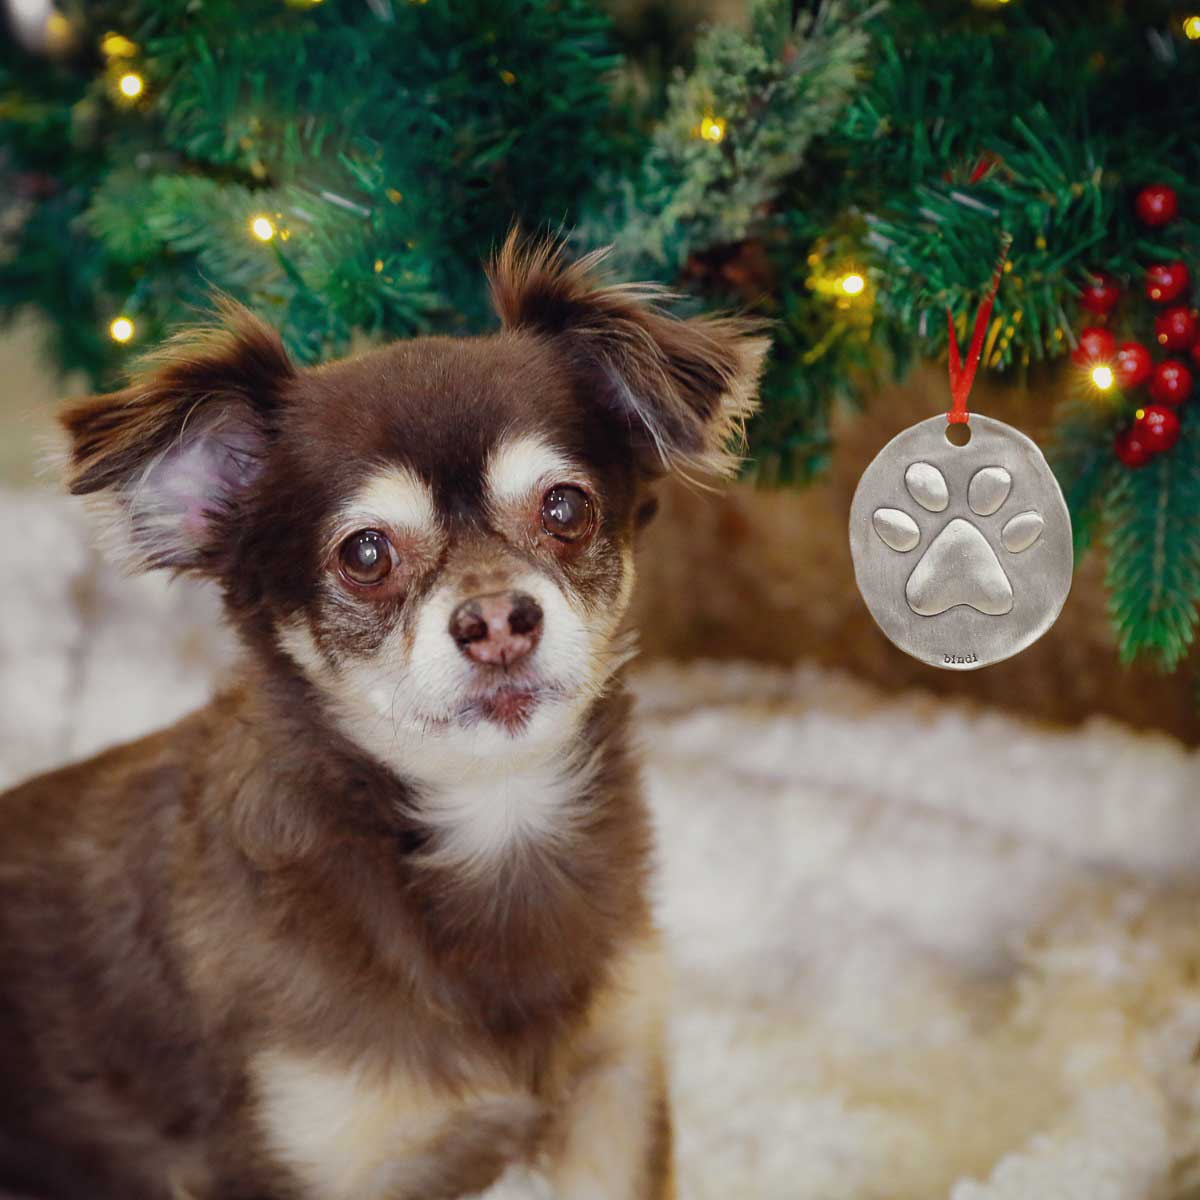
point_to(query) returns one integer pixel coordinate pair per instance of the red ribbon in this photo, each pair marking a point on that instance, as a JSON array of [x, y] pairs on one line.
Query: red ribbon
[[982, 167], [963, 376]]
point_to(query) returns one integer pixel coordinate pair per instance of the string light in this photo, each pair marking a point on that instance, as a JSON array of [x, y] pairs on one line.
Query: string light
[[262, 228], [844, 284], [1102, 377], [507, 78], [113, 45], [60, 33], [1191, 28], [131, 85], [712, 129], [121, 330]]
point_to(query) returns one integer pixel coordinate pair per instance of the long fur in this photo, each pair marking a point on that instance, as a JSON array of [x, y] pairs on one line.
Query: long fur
[[374, 923]]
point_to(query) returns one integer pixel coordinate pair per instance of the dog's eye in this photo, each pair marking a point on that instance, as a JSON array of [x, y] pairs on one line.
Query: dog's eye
[[366, 557], [566, 512]]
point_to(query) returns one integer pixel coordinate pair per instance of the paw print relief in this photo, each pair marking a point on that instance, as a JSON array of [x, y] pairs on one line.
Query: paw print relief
[[963, 553], [960, 566]]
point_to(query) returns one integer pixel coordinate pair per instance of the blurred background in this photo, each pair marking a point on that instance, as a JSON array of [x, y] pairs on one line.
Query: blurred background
[[936, 932], [843, 169]]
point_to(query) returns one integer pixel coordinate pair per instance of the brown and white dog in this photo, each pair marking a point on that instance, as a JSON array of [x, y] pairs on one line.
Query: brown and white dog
[[373, 925]]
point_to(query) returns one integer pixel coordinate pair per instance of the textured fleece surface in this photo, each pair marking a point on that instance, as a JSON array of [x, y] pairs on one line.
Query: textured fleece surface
[[921, 950]]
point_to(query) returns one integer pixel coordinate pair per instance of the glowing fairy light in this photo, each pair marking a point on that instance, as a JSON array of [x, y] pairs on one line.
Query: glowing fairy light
[[262, 228], [131, 85], [113, 45], [1102, 377], [121, 330], [853, 284]]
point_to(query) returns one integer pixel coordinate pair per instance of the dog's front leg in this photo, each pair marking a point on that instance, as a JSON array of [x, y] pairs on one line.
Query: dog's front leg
[[610, 1137], [612, 1140], [617, 1143]]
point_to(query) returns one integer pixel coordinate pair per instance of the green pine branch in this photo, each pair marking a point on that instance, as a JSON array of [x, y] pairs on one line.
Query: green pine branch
[[1153, 544], [736, 126], [393, 144]]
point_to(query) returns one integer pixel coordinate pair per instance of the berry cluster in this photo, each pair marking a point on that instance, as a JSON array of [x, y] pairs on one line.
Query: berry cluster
[[1167, 285]]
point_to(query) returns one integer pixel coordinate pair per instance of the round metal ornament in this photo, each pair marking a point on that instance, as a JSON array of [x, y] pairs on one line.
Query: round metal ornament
[[963, 553]]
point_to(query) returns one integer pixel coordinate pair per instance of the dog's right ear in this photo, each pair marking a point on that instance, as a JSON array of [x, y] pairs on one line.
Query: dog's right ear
[[179, 448]]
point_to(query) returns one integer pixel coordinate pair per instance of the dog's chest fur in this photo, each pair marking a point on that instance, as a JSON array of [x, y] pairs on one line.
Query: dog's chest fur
[[481, 818], [444, 1060], [380, 1124]]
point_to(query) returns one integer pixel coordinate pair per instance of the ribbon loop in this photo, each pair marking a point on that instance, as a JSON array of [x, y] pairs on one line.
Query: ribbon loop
[[962, 375]]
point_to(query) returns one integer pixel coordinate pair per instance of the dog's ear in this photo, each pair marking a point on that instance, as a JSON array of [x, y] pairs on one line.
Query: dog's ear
[[685, 387], [178, 449]]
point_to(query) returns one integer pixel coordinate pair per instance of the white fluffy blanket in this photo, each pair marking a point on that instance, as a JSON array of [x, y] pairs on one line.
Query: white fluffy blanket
[[921, 951]]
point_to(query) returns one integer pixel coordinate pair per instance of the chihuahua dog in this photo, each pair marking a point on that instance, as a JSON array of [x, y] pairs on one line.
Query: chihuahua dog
[[373, 925]]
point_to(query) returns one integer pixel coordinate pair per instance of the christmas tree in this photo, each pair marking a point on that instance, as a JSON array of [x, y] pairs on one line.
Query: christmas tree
[[847, 171]]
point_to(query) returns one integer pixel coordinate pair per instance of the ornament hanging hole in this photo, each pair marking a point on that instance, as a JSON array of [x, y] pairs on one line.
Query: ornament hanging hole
[[958, 434]]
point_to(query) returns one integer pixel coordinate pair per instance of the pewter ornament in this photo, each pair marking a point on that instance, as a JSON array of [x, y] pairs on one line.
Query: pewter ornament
[[962, 553]]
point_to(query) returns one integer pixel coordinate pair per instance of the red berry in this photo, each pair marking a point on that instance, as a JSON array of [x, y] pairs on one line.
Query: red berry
[[1171, 382], [1156, 205], [1175, 328], [1130, 448], [1095, 345], [1100, 293], [1166, 281], [1133, 365], [1156, 427]]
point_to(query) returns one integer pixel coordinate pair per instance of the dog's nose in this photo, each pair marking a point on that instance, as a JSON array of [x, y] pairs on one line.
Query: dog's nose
[[499, 629]]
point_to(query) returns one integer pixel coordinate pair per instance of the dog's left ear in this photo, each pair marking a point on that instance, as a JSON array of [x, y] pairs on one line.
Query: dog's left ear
[[685, 387], [180, 447]]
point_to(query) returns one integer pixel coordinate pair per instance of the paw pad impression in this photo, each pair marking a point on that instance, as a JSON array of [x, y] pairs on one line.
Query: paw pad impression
[[960, 565]]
